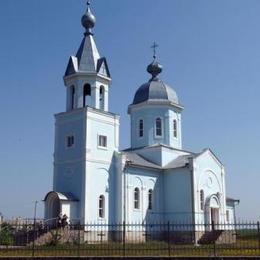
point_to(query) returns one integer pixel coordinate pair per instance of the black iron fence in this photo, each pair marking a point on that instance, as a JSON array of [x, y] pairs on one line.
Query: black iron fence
[[130, 239]]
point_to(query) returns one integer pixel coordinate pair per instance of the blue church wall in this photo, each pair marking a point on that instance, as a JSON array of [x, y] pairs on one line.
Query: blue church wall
[[209, 177], [68, 178], [100, 165], [71, 124], [149, 115], [144, 180], [100, 181], [178, 195], [98, 124]]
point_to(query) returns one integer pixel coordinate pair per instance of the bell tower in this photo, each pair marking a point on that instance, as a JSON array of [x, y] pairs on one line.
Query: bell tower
[[87, 76], [86, 138]]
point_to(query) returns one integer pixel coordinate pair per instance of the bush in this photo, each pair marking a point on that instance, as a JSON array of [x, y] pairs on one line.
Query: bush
[[6, 235]]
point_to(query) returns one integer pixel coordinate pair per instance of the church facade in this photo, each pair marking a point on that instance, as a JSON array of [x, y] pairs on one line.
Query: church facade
[[155, 180]]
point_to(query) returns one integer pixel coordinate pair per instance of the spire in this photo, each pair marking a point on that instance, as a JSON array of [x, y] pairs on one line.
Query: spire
[[88, 20], [88, 59], [155, 68]]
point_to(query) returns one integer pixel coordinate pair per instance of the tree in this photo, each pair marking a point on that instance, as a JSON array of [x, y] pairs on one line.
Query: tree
[[6, 235]]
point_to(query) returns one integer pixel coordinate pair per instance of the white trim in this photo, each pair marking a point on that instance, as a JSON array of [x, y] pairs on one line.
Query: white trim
[[154, 103]]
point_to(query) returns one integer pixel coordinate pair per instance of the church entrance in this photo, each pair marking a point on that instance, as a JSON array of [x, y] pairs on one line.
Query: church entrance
[[212, 212], [214, 215], [57, 203], [52, 208]]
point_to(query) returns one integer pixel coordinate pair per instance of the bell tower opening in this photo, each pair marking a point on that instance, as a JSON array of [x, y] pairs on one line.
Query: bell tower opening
[[72, 102], [102, 98], [87, 95]]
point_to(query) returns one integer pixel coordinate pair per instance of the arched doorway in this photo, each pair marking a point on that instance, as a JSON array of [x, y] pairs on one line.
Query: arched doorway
[[212, 210], [52, 207], [58, 203]]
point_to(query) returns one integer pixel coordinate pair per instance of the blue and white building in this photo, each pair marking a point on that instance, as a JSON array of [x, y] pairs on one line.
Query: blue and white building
[[155, 179]]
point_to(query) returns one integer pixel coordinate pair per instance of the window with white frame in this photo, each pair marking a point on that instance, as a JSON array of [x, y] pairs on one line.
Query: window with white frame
[[101, 206], [70, 141], [102, 141], [175, 128], [141, 128], [202, 200], [150, 199], [158, 127], [136, 198]]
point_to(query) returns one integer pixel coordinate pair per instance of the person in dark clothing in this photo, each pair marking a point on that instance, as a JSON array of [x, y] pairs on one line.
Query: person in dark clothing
[[64, 221]]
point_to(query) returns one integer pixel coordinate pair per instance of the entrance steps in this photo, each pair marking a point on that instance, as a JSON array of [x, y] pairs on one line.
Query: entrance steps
[[218, 237]]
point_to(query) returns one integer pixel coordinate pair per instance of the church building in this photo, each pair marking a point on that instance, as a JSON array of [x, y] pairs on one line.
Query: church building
[[153, 180]]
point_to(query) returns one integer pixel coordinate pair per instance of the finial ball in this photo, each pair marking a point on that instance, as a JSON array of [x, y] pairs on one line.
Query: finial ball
[[155, 68], [88, 20]]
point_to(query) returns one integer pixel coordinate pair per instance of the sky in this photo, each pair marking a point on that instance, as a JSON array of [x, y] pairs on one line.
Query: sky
[[210, 51]]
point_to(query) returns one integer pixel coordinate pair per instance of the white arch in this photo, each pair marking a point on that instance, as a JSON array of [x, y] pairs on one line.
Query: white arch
[[204, 172]]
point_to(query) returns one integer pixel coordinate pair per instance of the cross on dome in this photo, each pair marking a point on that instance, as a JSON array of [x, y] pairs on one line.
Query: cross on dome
[[154, 46], [155, 68]]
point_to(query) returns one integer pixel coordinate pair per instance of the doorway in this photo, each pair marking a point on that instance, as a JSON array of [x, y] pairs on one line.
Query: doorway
[[214, 212]]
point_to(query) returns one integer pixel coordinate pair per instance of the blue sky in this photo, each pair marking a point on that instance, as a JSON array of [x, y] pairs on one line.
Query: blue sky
[[211, 57]]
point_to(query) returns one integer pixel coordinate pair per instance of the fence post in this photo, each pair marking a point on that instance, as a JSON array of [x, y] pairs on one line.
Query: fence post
[[34, 238], [169, 238], [258, 233], [79, 240], [124, 238], [214, 242]]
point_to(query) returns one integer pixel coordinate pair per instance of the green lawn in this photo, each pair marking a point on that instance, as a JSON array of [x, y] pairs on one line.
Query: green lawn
[[243, 247]]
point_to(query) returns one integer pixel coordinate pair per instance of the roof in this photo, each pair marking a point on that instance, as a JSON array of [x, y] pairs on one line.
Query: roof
[[159, 145], [155, 90], [135, 159], [61, 196], [228, 199], [87, 58]]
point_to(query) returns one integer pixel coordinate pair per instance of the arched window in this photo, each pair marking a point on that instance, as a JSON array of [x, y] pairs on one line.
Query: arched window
[[150, 199], [101, 206], [141, 128], [158, 126], [72, 102], [102, 97], [202, 200], [136, 198], [87, 95], [175, 128]]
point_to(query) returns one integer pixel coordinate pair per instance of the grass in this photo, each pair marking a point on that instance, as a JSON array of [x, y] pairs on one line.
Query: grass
[[244, 247]]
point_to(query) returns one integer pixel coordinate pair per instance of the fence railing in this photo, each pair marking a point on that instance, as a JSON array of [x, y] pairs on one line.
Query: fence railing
[[130, 239]]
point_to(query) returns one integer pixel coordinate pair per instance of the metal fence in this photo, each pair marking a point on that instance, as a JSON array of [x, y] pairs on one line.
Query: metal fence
[[130, 239]]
